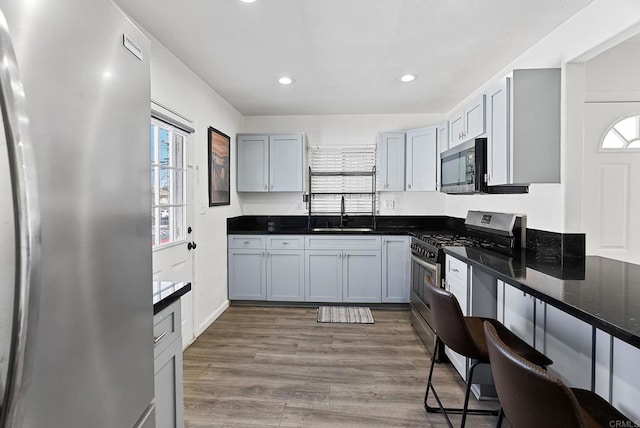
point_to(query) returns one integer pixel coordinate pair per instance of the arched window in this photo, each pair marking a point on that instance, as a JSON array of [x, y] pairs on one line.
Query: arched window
[[624, 134]]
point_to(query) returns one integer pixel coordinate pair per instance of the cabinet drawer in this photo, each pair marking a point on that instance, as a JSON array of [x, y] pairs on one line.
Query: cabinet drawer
[[329, 242], [246, 241], [166, 327], [285, 242]]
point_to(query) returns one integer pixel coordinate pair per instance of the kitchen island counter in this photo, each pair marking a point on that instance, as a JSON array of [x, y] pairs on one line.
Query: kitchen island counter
[[602, 292]]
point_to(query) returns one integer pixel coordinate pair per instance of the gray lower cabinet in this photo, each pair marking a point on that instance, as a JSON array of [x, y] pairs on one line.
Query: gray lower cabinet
[[246, 274], [323, 276], [361, 276], [285, 275], [168, 367], [396, 269]]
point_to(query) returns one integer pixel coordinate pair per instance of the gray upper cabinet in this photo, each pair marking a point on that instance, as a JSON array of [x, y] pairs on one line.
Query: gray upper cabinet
[[468, 123], [396, 269], [422, 159], [253, 163], [270, 163], [390, 159], [523, 135]]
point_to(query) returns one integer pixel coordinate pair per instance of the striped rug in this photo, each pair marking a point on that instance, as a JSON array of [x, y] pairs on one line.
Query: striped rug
[[345, 314]]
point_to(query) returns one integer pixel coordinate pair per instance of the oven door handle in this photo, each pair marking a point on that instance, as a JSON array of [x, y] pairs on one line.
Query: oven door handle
[[435, 267], [431, 266]]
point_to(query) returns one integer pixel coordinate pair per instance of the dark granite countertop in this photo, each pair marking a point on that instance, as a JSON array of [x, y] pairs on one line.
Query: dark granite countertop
[[602, 292], [166, 292]]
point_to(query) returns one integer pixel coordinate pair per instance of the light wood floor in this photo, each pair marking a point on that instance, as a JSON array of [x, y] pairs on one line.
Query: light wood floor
[[265, 367]]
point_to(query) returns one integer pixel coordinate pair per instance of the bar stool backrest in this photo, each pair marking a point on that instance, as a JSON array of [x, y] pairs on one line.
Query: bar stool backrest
[[529, 396]]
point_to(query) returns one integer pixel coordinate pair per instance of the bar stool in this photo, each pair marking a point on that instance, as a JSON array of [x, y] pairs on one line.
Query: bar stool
[[532, 398], [465, 335]]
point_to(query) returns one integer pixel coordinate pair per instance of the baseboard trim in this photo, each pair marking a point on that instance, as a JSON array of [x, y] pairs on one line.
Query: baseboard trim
[[211, 318]]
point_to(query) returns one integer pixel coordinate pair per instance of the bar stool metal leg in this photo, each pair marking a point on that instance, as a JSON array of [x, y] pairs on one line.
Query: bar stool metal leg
[[444, 410]]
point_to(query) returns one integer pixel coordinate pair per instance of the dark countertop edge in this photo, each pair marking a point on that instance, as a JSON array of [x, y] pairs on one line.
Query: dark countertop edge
[[399, 231], [590, 319], [165, 302]]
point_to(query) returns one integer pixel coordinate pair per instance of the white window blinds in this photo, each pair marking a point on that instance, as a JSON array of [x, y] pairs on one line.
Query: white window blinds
[[339, 172]]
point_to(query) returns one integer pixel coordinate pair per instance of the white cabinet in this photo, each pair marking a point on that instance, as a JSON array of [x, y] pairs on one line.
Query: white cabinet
[[422, 159], [270, 163], [516, 310], [457, 276], [443, 145], [168, 389], [390, 158], [396, 269], [523, 131], [468, 123], [343, 269]]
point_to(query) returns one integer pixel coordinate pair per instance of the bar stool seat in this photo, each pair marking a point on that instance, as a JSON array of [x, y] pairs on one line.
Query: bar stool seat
[[466, 336], [532, 398]]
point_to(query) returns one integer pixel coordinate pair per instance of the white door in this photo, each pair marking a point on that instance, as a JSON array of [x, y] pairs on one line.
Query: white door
[[172, 214], [611, 199]]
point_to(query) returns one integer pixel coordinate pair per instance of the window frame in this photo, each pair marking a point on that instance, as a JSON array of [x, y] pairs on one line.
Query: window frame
[[172, 167]]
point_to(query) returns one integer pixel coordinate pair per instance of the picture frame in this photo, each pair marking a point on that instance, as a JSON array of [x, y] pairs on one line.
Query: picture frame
[[219, 145]]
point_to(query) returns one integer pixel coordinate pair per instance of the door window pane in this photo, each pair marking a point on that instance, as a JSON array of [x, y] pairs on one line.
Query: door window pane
[[168, 184], [624, 134]]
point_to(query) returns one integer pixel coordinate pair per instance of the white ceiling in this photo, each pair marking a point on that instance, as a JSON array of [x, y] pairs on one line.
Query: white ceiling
[[345, 55]]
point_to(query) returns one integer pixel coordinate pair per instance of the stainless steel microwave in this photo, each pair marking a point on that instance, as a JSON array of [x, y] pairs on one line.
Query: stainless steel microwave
[[464, 167]]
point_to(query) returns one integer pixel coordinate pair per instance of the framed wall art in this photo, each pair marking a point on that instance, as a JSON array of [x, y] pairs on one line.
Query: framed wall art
[[219, 168]]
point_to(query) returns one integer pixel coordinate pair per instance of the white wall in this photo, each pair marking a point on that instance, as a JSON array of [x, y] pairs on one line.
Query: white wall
[[177, 87], [341, 130]]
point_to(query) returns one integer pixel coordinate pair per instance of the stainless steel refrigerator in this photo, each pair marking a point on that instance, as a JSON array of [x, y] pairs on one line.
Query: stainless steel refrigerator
[[76, 338]]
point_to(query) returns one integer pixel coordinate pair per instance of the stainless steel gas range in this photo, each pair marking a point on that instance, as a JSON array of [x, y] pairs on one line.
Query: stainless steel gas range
[[499, 232]]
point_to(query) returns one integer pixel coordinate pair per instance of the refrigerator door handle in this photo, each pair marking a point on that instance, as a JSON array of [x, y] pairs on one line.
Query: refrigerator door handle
[[26, 213]]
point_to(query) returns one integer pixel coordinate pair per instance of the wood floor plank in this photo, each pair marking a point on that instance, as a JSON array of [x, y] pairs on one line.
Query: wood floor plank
[[268, 366]]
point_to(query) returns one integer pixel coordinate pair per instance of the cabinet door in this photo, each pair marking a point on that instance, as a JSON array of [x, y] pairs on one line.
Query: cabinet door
[[519, 313], [422, 158], [457, 282], [285, 163], [246, 275], [285, 275], [568, 342], [443, 145], [390, 161], [456, 129], [474, 118], [323, 276], [253, 163], [498, 133], [396, 269], [361, 277], [168, 387]]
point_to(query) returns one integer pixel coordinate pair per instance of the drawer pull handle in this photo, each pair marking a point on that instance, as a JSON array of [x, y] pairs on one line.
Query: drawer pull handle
[[455, 270], [159, 338], [247, 242], [285, 243]]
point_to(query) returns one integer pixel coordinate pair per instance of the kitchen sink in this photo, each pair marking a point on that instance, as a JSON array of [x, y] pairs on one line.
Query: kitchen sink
[[342, 229]]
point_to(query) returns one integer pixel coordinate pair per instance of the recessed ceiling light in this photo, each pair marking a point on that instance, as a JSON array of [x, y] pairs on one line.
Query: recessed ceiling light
[[247, 1], [285, 80], [406, 78]]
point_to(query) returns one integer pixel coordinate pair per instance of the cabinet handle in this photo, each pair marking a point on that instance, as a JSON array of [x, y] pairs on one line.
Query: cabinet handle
[[455, 270], [159, 338], [246, 242], [285, 243], [265, 187], [271, 186], [409, 186]]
